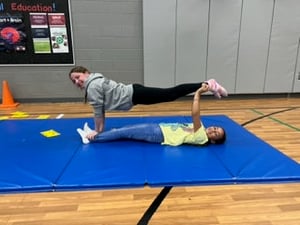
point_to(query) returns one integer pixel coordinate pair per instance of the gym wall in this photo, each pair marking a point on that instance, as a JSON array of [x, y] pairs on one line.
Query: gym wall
[[107, 38], [251, 46]]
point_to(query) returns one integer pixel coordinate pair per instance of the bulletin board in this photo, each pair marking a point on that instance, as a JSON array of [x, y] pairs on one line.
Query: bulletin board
[[35, 32]]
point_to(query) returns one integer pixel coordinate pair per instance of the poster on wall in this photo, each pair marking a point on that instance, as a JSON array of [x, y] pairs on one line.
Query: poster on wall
[[35, 33]]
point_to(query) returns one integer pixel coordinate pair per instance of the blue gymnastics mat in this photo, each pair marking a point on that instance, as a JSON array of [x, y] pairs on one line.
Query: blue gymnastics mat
[[31, 162]]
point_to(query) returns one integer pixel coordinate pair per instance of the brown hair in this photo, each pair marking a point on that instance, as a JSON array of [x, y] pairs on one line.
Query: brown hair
[[78, 69], [222, 139]]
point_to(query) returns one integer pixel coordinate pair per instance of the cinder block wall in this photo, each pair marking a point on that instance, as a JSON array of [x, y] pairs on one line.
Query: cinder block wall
[[107, 38]]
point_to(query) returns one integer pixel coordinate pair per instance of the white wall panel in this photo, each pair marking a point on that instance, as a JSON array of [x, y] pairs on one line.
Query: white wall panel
[[296, 81], [191, 40], [159, 19], [254, 45], [224, 27], [283, 47], [250, 46]]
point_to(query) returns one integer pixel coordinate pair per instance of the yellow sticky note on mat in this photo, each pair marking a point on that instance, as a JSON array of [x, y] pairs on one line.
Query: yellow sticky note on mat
[[50, 133], [43, 116], [3, 117]]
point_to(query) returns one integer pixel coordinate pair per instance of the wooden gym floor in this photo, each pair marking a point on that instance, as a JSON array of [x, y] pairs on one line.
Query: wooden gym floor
[[274, 119]]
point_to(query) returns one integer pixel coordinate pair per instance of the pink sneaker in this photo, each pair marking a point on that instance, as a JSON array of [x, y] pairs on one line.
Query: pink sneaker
[[216, 88]]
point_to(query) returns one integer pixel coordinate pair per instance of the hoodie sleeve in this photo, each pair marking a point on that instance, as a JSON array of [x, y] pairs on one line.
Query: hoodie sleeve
[[95, 97]]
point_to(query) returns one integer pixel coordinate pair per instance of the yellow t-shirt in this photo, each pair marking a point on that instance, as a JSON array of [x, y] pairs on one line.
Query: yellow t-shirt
[[177, 133]]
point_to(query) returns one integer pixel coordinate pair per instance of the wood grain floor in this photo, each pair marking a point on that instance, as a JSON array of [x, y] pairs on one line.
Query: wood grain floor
[[275, 120]]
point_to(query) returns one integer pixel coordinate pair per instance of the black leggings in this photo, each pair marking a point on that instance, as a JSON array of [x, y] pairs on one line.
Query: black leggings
[[151, 95]]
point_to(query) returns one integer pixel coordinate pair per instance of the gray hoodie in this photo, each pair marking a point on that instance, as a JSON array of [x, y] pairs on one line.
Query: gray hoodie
[[105, 94]]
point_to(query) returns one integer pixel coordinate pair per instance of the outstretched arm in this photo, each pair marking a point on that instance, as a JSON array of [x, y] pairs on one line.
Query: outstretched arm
[[196, 106], [99, 123]]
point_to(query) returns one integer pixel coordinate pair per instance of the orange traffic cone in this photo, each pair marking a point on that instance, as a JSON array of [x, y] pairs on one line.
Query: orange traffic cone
[[7, 98]]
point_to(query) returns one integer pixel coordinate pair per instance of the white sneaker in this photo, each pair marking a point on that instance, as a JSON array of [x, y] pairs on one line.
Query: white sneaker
[[83, 135], [86, 128]]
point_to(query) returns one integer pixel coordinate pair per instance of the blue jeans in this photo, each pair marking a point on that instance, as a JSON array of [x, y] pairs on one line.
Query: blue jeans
[[142, 132]]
